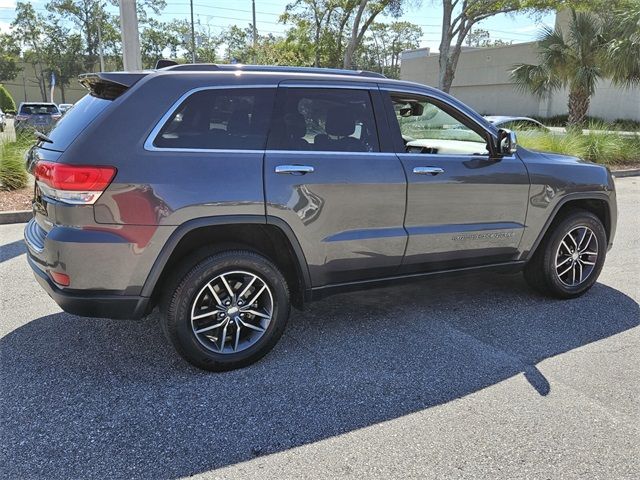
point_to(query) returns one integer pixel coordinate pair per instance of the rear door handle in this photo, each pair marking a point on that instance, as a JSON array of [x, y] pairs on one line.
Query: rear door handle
[[428, 170], [294, 169]]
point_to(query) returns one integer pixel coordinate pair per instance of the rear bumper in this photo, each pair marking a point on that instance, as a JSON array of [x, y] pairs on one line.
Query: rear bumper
[[91, 304]]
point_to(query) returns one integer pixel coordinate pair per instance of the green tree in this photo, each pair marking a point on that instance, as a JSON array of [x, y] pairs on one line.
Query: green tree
[[28, 30], [6, 100], [9, 57], [576, 59], [384, 44], [62, 51], [622, 36], [460, 17]]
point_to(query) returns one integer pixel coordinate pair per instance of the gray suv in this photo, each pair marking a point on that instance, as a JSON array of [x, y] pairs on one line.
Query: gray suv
[[225, 194]]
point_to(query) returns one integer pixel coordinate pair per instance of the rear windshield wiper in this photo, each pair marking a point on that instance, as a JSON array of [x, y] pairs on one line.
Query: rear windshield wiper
[[42, 136]]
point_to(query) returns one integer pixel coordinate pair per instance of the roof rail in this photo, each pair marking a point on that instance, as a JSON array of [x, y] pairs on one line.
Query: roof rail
[[210, 67]]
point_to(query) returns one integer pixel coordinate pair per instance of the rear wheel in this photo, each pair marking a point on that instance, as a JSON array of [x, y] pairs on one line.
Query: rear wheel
[[570, 258], [227, 311]]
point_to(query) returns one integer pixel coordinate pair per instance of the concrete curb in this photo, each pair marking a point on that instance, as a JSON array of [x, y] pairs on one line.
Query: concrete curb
[[632, 172], [15, 216]]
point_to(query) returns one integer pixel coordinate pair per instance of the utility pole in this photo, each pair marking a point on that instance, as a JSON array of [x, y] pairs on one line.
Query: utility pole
[[255, 30], [130, 36], [193, 36], [100, 49]]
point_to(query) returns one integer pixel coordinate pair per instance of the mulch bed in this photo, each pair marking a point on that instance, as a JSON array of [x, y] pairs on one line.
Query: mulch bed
[[16, 199]]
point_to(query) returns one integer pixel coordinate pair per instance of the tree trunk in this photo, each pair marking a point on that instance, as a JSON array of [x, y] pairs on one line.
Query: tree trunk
[[353, 40], [578, 107]]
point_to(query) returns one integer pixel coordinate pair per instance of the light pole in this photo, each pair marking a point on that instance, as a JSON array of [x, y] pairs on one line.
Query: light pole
[[193, 36], [255, 30], [131, 57]]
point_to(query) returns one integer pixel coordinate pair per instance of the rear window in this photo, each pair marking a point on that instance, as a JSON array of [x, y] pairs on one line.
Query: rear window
[[234, 119], [74, 121], [39, 109]]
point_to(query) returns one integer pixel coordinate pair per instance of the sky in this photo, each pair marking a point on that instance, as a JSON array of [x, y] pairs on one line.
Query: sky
[[223, 13]]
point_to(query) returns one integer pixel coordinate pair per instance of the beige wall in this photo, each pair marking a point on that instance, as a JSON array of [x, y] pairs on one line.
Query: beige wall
[[23, 88], [482, 81]]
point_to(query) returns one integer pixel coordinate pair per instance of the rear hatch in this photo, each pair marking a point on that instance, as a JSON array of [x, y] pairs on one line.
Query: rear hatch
[[61, 184]]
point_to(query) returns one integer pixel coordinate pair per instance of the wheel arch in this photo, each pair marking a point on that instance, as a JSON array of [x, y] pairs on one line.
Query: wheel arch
[[238, 231], [597, 203]]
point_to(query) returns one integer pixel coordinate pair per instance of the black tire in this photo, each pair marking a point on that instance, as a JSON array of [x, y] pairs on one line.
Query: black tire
[[540, 272], [188, 285]]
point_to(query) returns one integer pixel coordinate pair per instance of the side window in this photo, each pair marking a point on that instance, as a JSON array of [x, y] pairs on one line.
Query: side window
[[236, 119], [338, 120], [426, 128]]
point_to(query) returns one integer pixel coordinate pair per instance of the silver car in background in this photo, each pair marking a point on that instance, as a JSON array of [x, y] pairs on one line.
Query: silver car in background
[[41, 116]]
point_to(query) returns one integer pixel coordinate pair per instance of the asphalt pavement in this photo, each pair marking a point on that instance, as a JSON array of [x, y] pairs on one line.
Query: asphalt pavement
[[468, 377]]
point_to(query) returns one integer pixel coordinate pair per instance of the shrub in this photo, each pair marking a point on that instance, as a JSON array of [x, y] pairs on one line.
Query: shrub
[[6, 101], [623, 124], [608, 148], [13, 174]]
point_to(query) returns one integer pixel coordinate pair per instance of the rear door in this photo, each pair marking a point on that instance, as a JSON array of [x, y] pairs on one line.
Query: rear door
[[465, 207], [331, 174]]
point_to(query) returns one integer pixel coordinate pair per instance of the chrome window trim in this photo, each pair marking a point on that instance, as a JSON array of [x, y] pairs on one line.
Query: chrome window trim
[[324, 152], [148, 143]]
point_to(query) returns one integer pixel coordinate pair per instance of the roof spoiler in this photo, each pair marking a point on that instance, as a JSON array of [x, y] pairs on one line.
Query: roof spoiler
[[109, 85]]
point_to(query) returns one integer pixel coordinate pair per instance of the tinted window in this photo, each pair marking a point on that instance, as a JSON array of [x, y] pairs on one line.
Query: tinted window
[[338, 120], [39, 109], [236, 119], [426, 128], [75, 120]]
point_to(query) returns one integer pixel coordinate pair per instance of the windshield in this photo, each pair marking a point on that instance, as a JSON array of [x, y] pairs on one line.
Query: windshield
[[39, 109]]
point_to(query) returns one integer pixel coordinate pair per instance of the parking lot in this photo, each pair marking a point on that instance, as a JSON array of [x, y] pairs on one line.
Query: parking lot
[[468, 377]]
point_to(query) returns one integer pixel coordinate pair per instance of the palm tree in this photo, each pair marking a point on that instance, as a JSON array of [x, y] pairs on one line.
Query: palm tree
[[622, 31], [575, 61]]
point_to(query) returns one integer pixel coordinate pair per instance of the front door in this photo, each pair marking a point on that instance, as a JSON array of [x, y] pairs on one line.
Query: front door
[[328, 177], [464, 207]]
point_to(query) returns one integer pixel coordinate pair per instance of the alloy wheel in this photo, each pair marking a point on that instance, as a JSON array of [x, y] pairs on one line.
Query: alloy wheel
[[576, 256], [232, 312]]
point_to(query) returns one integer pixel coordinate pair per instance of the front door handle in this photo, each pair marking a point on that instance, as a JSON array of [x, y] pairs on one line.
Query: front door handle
[[294, 169], [428, 170]]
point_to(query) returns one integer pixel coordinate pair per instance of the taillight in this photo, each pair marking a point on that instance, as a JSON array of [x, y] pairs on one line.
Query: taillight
[[21, 117], [76, 184], [56, 116]]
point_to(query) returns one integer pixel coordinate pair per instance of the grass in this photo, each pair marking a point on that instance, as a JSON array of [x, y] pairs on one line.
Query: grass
[[599, 145], [13, 173]]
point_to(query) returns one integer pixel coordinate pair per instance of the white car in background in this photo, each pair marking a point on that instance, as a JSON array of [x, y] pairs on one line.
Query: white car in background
[[63, 107], [3, 121]]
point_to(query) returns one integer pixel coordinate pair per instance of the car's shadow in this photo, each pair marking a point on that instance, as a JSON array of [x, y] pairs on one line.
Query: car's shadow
[[86, 398]]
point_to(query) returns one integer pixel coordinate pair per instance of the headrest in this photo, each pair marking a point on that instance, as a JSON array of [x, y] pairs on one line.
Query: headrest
[[341, 121], [295, 125]]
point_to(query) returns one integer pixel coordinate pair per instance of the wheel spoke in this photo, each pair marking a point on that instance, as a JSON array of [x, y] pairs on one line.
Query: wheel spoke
[[237, 339], [579, 265], [566, 247], [573, 273], [228, 287], [563, 262], [205, 315], [561, 274], [215, 295], [589, 253], [587, 243], [257, 314], [246, 289], [255, 297], [223, 338], [252, 327], [572, 239], [206, 329], [585, 262], [584, 234]]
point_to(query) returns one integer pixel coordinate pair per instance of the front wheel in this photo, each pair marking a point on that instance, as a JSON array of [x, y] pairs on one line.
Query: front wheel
[[227, 311], [570, 258]]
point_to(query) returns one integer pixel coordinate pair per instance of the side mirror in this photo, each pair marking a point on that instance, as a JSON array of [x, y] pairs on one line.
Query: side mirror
[[507, 142]]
